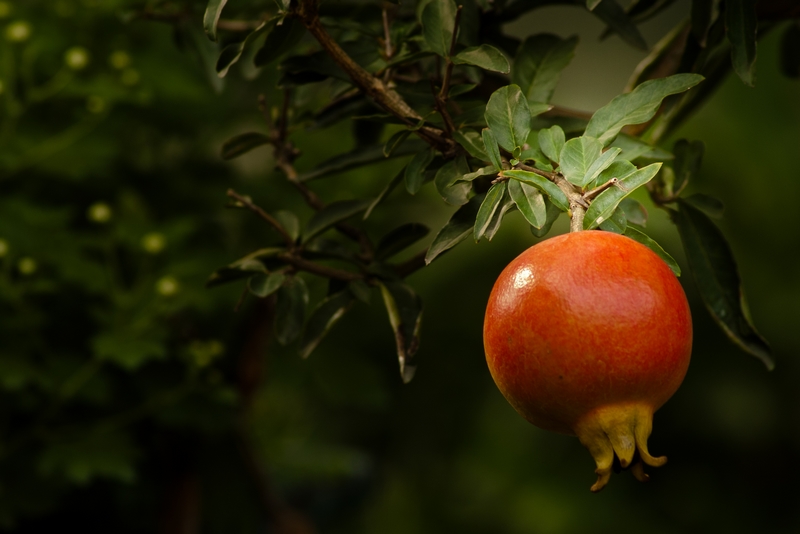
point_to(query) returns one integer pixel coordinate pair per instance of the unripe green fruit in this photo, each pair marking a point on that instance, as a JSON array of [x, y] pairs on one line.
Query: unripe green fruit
[[588, 334]]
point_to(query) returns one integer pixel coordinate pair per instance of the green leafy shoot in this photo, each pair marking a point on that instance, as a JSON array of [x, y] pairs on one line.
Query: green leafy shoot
[[638, 106]]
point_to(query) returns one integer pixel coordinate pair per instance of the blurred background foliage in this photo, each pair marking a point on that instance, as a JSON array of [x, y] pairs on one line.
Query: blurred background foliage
[[135, 399]]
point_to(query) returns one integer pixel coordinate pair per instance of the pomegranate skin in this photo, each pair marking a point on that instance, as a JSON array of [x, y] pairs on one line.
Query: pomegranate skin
[[589, 333]]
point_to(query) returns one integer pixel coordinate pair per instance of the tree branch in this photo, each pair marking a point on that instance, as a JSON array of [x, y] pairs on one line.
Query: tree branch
[[247, 203], [385, 97], [321, 270]]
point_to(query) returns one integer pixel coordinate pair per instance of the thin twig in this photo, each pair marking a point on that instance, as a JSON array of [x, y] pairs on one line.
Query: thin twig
[[387, 35], [448, 70], [589, 195], [549, 175], [247, 203]]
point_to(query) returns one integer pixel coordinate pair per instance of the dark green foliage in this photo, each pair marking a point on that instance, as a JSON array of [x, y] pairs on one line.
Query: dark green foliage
[[140, 379]]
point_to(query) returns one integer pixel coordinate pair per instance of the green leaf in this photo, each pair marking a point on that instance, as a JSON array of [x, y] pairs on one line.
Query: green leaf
[[606, 202], [538, 65], [533, 152], [530, 202], [244, 267], [279, 41], [713, 207], [577, 158], [241, 144], [688, 157], [405, 315], [493, 151], [591, 4], [703, 12], [460, 89], [290, 309], [506, 204], [638, 106], [438, 21], [610, 12], [645, 240], [599, 165], [399, 239], [394, 182], [322, 319], [541, 183], [491, 203], [472, 143], [634, 211], [537, 108], [633, 147], [741, 24], [290, 223], [483, 171], [714, 269], [446, 181], [211, 17], [360, 290], [551, 141], [263, 285], [233, 52], [360, 157], [484, 56], [457, 229], [395, 141], [553, 212], [790, 51], [618, 169], [509, 117], [617, 223], [415, 171], [332, 214]]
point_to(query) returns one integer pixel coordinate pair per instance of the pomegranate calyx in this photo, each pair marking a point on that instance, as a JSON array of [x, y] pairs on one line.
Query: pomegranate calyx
[[621, 431]]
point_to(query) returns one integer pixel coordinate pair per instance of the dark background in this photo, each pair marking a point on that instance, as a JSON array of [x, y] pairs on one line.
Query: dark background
[[168, 427]]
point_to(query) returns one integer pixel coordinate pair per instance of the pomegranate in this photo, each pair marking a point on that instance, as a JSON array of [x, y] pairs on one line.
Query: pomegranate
[[588, 334]]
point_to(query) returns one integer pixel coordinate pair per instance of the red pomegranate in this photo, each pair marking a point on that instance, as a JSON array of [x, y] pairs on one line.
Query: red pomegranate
[[588, 334]]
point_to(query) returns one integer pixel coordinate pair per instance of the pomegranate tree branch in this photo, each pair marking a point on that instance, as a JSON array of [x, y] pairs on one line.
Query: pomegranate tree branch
[[320, 270], [384, 96], [247, 203]]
